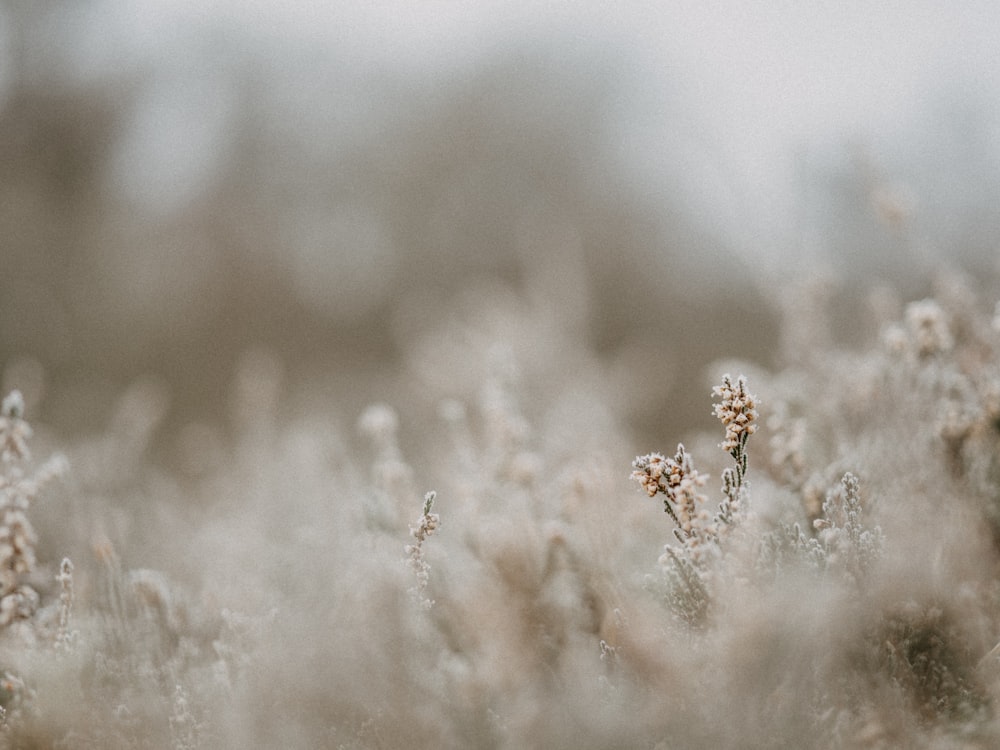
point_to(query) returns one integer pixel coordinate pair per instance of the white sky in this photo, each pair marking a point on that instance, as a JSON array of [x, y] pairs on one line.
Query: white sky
[[759, 82]]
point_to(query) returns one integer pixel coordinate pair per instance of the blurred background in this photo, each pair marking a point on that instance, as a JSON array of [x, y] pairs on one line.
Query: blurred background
[[366, 197]]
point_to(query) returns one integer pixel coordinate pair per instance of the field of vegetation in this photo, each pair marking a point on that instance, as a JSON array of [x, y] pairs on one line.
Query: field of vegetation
[[819, 571], [362, 390]]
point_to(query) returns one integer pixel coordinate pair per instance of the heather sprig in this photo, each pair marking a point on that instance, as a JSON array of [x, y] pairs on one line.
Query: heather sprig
[[842, 532], [65, 637], [688, 569], [427, 524], [18, 599], [737, 410], [677, 480]]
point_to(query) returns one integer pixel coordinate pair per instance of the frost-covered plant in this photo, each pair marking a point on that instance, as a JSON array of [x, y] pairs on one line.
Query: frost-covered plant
[[679, 482], [18, 598], [699, 533], [64, 636], [912, 419], [17, 536], [737, 410], [846, 541], [843, 542], [852, 604], [427, 524]]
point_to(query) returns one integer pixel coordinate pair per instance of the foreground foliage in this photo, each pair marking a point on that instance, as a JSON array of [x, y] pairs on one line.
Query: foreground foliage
[[840, 590]]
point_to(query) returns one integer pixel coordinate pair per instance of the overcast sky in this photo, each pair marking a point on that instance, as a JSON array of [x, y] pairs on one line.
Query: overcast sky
[[750, 89]]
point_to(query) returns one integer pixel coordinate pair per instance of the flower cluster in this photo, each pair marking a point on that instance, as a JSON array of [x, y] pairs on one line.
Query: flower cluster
[[649, 470], [677, 479], [17, 536], [427, 524], [737, 411], [18, 600]]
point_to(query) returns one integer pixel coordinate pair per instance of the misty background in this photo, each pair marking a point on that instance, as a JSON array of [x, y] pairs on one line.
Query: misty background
[[365, 197]]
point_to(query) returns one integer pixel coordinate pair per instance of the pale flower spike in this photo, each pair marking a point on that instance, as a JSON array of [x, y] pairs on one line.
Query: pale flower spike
[[737, 411], [427, 524]]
